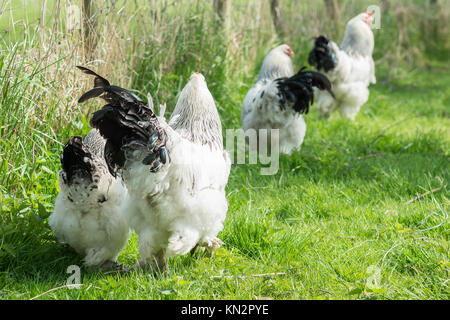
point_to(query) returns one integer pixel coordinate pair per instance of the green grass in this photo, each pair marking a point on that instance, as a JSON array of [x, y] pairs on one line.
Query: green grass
[[334, 213], [327, 216], [16, 16]]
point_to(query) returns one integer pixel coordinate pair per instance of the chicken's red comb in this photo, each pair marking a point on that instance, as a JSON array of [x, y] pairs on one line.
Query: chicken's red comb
[[368, 13]]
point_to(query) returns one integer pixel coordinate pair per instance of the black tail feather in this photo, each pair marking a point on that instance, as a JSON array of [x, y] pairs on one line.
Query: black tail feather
[[93, 93], [321, 56], [76, 160], [103, 89], [298, 89], [127, 129], [99, 81], [318, 80], [127, 124]]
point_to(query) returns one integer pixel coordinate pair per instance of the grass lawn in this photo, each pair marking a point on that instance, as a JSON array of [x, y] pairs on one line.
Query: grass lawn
[[17, 15], [333, 223]]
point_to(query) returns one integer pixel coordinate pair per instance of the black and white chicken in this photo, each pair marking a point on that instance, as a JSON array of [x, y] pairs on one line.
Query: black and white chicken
[[175, 172], [349, 67], [279, 98], [87, 213]]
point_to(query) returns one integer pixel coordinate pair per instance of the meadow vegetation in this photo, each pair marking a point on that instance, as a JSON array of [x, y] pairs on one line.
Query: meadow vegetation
[[361, 212]]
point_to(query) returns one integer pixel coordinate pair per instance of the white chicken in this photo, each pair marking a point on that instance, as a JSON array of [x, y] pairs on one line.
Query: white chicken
[[175, 172], [86, 214], [278, 98], [349, 67]]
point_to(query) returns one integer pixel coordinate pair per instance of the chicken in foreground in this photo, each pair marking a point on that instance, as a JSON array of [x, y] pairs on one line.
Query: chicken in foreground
[[175, 172], [349, 67], [87, 213], [279, 98]]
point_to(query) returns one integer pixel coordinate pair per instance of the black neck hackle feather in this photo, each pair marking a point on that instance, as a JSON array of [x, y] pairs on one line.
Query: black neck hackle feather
[[298, 89], [76, 160], [322, 57]]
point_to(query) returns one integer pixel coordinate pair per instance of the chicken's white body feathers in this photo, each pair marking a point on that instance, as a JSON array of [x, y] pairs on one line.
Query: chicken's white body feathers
[[261, 110], [183, 204], [88, 215], [354, 71], [265, 113]]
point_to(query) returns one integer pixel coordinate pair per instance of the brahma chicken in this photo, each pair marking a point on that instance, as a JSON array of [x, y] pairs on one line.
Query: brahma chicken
[[279, 98], [87, 213], [175, 172], [349, 67]]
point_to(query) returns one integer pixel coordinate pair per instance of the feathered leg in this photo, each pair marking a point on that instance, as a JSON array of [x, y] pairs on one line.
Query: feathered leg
[[153, 257], [326, 104], [157, 263], [358, 94], [212, 244], [182, 241]]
